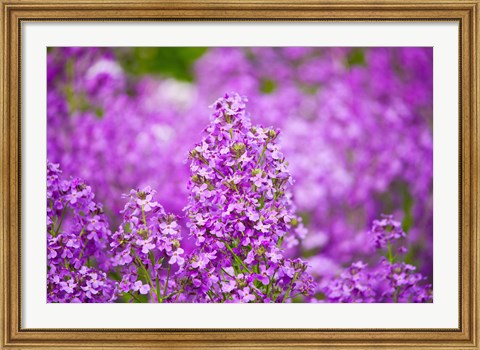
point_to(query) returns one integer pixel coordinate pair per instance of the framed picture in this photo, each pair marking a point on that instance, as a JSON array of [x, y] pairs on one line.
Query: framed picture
[[240, 175]]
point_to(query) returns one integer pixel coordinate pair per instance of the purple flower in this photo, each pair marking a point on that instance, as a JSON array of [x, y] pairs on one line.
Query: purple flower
[[148, 238], [327, 102], [140, 287], [245, 295], [169, 229], [177, 257], [385, 231], [77, 234], [265, 274], [386, 282], [237, 208]]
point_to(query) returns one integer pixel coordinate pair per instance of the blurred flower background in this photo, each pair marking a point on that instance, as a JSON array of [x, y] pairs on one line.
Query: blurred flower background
[[356, 130]]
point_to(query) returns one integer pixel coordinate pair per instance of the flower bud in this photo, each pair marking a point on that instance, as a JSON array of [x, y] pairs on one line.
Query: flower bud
[[272, 134], [239, 148], [196, 179], [176, 243], [294, 222]]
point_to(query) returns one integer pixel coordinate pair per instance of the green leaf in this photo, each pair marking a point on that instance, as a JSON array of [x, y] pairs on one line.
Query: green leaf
[[268, 86], [175, 62], [99, 112], [356, 58], [407, 222]]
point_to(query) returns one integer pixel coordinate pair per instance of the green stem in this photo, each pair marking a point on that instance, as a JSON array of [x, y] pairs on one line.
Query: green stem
[[268, 287], [226, 273], [181, 290], [237, 257], [170, 295], [178, 295], [52, 228], [235, 187], [287, 294], [390, 256], [218, 171], [395, 295], [134, 297], [144, 218], [166, 282], [147, 277], [271, 279], [280, 241], [206, 162], [84, 246], [61, 221], [260, 159], [157, 284], [223, 294], [262, 202], [209, 293]]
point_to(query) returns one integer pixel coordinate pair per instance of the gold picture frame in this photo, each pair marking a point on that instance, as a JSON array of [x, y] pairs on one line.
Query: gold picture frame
[[14, 12]]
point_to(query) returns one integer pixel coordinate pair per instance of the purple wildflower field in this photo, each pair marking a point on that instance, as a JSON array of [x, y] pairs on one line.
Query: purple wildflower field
[[231, 175]]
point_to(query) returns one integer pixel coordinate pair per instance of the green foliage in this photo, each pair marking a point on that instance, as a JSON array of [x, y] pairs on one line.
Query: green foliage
[[356, 58], [407, 222], [175, 62], [268, 86], [306, 217]]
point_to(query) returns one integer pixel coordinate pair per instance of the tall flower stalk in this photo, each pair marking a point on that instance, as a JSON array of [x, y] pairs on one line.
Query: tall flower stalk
[[77, 236], [241, 214], [389, 281], [146, 248]]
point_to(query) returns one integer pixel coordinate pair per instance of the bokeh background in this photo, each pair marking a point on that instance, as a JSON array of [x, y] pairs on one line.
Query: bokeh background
[[356, 129]]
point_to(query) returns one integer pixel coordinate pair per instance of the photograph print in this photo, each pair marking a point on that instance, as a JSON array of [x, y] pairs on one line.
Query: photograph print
[[239, 175]]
